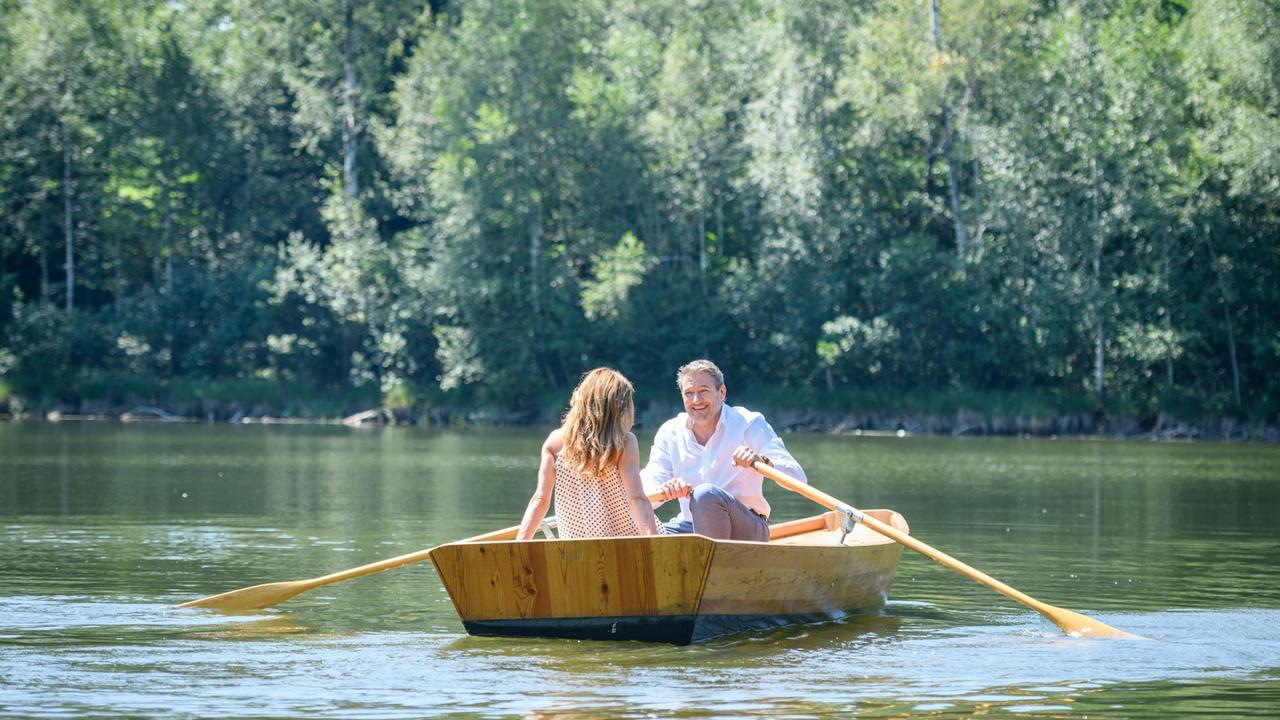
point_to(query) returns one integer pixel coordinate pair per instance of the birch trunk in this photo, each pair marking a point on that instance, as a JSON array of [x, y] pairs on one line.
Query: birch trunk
[[1099, 342], [702, 253], [1231, 348], [68, 217], [1168, 318], [1230, 326], [45, 289], [349, 151], [953, 187], [167, 237]]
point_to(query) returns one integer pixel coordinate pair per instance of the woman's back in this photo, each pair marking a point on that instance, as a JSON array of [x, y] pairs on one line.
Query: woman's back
[[592, 464], [591, 506]]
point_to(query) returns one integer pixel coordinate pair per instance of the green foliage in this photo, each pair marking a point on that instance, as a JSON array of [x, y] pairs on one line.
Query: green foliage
[[615, 271], [369, 201]]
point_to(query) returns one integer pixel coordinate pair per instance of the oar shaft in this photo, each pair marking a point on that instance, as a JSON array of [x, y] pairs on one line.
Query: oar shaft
[[417, 556], [268, 594], [373, 567], [896, 535], [946, 560]]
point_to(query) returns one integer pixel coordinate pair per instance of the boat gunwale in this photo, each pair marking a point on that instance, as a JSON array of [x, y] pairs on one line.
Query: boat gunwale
[[817, 525]]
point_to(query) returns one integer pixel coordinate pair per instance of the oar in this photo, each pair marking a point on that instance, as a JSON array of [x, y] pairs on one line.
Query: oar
[[261, 596], [1070, 621], [268, 594]]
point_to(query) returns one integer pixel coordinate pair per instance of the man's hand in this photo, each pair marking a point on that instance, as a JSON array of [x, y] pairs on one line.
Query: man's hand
[[675, 488], [746, 457]]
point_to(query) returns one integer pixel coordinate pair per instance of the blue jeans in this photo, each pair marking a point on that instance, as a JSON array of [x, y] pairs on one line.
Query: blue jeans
[[720, 516]]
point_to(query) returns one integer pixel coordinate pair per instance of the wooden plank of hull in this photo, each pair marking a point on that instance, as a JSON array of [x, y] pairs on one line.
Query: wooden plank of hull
[[607, 577], [759, 579], [815, 572], [668, 589]]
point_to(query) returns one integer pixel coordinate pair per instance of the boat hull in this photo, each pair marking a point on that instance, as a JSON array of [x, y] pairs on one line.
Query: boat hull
[[675, 589]]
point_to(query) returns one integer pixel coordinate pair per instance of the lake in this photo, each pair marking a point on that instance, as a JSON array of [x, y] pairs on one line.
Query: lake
[[103, 527]]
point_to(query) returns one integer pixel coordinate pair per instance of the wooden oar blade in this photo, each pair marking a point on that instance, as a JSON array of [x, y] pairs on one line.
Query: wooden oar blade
[[251, 598], [1080, 625]]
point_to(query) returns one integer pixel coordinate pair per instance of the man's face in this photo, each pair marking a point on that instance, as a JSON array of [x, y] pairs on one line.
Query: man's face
[[702, 399]]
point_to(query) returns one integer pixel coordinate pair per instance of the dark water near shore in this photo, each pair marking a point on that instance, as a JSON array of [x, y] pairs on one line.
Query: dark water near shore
[[103, 527]]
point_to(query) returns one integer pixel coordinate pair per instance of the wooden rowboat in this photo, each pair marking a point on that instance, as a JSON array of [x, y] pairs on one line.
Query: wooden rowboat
[[674, 588], [671, 589]]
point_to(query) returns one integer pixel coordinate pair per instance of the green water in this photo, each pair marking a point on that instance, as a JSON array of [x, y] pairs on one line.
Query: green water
[[103, 527]]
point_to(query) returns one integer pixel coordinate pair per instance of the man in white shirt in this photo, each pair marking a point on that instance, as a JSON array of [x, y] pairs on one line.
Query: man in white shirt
[[703, 456]]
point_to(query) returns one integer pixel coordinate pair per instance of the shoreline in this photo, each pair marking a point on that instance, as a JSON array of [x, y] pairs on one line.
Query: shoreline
[[962, 423]]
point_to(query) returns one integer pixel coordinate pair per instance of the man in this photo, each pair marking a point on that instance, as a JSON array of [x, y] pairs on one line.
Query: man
[[704, 456]]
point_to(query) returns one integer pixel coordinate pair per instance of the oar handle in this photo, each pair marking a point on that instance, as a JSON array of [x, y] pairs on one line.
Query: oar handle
[[807, 490]]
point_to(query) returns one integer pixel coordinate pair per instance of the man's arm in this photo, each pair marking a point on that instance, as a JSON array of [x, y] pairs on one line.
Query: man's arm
[[767, 443], [659, 474]]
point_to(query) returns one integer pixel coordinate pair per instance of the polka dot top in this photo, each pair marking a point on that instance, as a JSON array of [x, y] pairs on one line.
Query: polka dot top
[[589, 507]]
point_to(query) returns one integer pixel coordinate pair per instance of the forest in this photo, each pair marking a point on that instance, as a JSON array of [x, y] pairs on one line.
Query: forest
[[309, 207]]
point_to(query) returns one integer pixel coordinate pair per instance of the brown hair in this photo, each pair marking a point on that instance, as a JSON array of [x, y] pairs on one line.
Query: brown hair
[[596, 427], [690, 369]]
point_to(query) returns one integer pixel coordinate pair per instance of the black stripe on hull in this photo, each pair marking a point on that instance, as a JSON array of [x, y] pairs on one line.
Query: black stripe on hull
[[674, 629]]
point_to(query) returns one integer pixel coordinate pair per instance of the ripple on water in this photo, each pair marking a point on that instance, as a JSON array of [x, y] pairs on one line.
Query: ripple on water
[[279, 662]]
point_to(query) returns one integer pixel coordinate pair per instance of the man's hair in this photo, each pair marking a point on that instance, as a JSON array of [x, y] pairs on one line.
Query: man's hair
[[690, 369]]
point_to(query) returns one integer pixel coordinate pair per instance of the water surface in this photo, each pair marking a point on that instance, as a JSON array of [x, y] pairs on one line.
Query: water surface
[[104, 527]]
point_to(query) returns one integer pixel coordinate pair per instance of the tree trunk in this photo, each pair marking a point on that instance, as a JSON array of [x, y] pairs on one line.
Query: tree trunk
[[953, 187], [719, 220], [1099, 343], [1231, 347], [167, 235], [1230, 326], [45, 290], [117, 249], [702, 252], [1168, 318], [535, 260], [1099, 360], [350, 181], [702, 263], [68, 217]]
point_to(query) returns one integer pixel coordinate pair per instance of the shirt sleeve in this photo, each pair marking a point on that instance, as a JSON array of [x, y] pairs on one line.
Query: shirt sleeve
[[659, 469], [766, 442]]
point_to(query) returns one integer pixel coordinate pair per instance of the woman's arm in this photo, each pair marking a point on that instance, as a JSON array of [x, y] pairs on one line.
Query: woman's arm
[[541, 499], [637, 502]]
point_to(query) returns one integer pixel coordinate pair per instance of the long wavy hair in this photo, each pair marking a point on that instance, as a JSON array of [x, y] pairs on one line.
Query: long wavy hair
[[600, 415]]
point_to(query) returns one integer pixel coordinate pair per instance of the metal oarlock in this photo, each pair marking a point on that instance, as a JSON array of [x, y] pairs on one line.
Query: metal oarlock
[[851, 518], [547, 525]]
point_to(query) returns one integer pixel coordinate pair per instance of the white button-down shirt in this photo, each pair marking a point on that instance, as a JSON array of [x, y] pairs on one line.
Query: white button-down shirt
[[677, 454]]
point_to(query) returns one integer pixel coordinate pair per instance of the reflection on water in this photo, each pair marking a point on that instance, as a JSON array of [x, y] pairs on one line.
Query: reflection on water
[[103, 528]]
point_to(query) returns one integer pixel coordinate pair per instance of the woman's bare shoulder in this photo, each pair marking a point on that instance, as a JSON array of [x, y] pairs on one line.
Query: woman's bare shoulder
[[554, 441]]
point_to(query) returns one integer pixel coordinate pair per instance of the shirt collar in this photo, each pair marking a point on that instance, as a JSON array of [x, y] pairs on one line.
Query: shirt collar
[[727, 415]]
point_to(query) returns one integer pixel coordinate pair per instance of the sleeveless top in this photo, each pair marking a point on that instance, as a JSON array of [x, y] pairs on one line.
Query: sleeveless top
[[591, 507]]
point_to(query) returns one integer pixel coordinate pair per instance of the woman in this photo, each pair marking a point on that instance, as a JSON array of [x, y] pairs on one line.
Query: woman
[[592, 462]]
